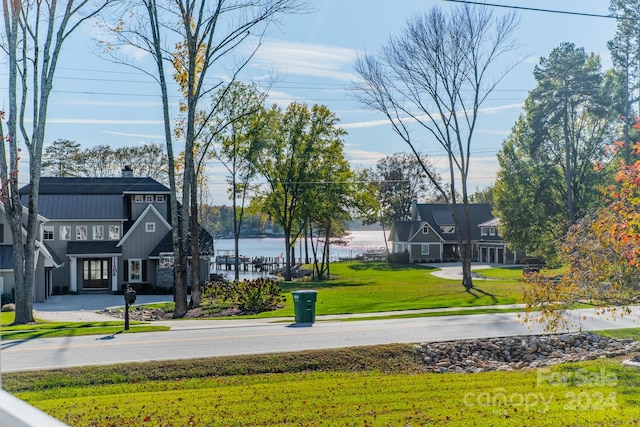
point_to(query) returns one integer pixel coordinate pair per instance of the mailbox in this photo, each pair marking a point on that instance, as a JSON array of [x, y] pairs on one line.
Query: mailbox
[[129, 296]]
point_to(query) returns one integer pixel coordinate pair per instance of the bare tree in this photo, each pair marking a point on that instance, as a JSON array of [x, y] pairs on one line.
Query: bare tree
[[193, 37], [434, 77], [35, 32]]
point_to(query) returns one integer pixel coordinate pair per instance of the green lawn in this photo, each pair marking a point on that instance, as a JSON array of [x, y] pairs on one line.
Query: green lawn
[[373, 386], [43, 329], [365, 287]]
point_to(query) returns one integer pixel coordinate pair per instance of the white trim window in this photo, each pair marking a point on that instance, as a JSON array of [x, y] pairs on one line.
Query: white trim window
[[98, 232], [425, 229], [47, 232], [65, 232], [138, 198], [424, 249], [114, 232], [148, 198], [81, 232], [483, 231], [150, 227], [492, 231], [160, 198], [135, 270]]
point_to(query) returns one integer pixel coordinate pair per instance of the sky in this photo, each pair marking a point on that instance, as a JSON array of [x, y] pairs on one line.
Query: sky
[[312, 56]]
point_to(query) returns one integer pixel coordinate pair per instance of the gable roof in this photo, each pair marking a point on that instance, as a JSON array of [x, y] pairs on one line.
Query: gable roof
[[439, 214], [149, 210]]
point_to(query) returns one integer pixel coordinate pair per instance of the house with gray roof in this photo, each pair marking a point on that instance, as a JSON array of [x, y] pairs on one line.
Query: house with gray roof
[[108, 233], [431, 235]]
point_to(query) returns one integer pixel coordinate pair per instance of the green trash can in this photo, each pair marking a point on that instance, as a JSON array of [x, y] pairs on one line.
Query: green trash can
[[304, 305]]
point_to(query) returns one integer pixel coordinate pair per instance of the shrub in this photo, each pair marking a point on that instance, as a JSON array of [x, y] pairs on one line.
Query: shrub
[[6, 299], [8, 307], [249, 296], [398, 258]]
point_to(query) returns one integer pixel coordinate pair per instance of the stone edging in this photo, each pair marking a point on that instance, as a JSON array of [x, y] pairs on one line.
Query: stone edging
[[520, 352]]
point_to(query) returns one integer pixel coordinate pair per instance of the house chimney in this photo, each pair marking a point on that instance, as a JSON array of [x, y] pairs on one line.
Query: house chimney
[[414, 208], [127, 172]]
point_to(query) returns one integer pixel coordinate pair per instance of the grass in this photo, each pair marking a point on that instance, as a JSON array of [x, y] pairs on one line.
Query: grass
[[366, 386], [366, 287], [43, 329]]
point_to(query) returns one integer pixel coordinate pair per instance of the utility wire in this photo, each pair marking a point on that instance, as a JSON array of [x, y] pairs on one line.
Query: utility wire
[[536, 9]]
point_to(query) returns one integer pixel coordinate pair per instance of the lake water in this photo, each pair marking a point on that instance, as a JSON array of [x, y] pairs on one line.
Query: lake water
[[357, 242]]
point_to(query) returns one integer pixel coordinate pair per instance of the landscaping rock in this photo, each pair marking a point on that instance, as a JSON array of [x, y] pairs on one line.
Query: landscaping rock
[[522, 352]]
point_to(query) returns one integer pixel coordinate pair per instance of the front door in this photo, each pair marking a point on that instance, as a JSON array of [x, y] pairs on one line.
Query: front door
[[95, 274]]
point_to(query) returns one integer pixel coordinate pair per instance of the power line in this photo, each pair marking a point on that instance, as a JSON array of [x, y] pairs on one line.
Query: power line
[[536, 9]]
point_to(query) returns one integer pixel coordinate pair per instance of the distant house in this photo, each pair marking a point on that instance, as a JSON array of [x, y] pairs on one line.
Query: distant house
[[104, 233], [431, 235]]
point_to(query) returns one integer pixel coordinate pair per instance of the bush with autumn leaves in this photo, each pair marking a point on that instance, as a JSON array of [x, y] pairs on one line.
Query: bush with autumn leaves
[[600, 256]]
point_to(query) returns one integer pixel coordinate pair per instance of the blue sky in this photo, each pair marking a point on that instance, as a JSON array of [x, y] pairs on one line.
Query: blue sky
[[97, 102]]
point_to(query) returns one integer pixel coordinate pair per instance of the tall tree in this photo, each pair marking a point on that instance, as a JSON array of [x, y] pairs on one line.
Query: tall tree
[[435, 76], [400, 179], [204, 34], [625, 53], [298, 142], [237, 132], [570, 117], [62, 158], [35, 32]]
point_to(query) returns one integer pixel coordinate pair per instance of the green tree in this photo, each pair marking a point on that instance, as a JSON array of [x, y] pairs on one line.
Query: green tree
[[435, 77], [399, 180], [236, 131], [547, 179], [299, 143], [62, 158]]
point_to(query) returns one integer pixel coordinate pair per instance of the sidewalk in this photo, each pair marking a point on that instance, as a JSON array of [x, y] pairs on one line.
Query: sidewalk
[[83, 308]]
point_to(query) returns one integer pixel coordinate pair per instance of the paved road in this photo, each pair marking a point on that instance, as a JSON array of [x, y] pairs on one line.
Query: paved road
[[220, 338]]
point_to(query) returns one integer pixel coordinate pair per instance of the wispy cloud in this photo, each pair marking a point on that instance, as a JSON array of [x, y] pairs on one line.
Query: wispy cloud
[[382, 122], [134, 135], [306, 59], [75, 121]]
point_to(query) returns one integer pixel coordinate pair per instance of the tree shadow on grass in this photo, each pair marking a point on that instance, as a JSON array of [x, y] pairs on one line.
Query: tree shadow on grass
[[479, 293], [383, 266]]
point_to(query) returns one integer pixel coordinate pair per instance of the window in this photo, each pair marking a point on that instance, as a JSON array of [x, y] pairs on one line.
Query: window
[[65, 232], [47, 232], [483, 231], [150, 227], [135, 270], [114, 232], [424, 250], [148, 198], [425, 229], [448, 229], [492, 231], [81, 232], [98, 232], [159, 198], [138, 198]]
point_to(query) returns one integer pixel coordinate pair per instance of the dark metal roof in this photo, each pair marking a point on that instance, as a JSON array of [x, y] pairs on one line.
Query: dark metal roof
[[93, 248], [80, 206], [56, 258], [437, 214], [119, 185]]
